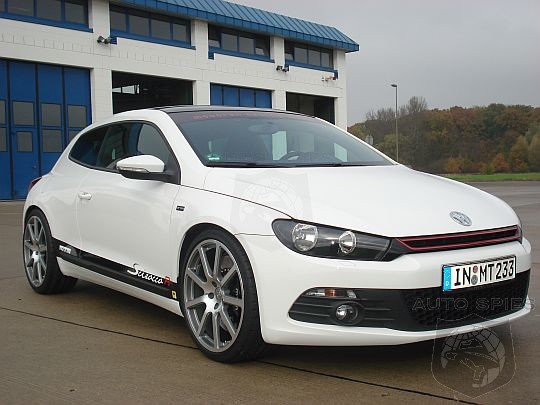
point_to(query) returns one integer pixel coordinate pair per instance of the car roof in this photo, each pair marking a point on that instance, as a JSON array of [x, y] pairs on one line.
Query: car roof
[[195, 108]]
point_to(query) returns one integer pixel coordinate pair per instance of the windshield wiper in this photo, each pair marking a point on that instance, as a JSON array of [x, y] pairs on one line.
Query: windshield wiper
[[244, 164], [330, 164]]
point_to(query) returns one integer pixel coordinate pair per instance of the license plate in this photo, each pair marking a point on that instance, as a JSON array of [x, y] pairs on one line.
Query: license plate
[[464, 275]]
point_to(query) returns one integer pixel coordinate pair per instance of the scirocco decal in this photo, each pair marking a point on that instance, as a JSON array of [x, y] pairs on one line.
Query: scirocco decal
[[139, 272]]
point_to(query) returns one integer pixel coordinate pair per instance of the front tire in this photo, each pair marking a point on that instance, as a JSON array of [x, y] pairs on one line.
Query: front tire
[[219, 298], [39, 258]]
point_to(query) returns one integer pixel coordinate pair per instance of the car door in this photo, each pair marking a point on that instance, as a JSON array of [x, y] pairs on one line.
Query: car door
[[123, 220]]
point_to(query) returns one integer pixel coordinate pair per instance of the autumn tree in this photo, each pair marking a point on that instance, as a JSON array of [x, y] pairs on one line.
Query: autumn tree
[[534, 152], [518, 156]]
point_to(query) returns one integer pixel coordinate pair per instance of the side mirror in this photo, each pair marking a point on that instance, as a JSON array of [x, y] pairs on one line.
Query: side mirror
[[143, 167]]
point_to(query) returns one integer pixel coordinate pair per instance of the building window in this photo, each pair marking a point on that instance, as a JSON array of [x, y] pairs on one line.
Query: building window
[[238, 42], [240, 96], [308, 55], [144, 26], [63, 13]]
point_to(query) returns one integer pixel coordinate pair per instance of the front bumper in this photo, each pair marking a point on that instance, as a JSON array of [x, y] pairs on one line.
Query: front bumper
[[283, 275]]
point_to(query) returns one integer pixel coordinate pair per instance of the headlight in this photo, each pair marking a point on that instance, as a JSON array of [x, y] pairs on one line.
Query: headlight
[[325, 241]]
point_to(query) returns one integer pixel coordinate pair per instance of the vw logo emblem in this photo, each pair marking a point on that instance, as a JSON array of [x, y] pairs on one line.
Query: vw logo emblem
[[461, 218]]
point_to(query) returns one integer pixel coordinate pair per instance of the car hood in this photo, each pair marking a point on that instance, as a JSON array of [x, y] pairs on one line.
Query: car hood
[[384, 200]]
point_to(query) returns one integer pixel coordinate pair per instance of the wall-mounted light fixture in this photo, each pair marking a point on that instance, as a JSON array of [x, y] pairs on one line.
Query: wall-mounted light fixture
[[106, 41], [333, 76]]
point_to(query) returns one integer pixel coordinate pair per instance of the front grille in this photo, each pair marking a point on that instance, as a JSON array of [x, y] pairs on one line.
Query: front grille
[[419, 309], [428, 305], [461, 240]]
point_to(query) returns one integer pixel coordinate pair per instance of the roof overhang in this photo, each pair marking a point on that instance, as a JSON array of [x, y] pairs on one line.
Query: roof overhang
[[249, 18]]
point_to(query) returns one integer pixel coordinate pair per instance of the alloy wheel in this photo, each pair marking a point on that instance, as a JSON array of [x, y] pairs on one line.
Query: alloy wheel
[[213, 295], [35, 251]]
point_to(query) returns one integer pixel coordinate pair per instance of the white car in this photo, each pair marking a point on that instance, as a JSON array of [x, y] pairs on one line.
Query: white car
[[270, 227]]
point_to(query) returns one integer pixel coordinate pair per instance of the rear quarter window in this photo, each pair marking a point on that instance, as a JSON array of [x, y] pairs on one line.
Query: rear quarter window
[[86, 148]]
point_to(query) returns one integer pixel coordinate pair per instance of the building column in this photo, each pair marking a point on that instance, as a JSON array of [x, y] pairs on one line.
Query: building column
[[201, 92], [101, 93], [199, 39], [340, 103], [100, 79], [98, 13], [277, 50], [279, 99]]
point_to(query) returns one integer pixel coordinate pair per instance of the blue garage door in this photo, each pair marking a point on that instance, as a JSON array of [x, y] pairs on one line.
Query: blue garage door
[[240, 96], [41, 108]]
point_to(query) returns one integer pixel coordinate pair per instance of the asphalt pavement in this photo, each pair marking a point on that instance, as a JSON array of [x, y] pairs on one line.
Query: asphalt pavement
[[94, 345]]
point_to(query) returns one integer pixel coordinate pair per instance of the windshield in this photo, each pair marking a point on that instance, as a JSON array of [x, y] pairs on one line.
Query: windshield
[[271, 139]]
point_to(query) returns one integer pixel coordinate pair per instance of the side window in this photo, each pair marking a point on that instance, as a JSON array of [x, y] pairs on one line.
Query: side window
[[87, 147], [115, 145], [103, 147], [150, 142]]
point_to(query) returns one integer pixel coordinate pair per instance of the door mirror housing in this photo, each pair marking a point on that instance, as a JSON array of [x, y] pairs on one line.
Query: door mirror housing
[[143, 167]]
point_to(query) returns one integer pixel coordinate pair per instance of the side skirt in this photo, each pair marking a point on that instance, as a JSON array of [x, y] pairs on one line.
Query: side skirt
[[133, 276]]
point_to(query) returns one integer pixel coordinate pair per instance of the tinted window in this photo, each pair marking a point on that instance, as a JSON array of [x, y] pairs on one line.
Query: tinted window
[[21, 7], [51, 115], [150, 142], [3, 140], [272, 139], [2, 112], [289, 51], [214, 39], [262, 47], [52, 140], [87, 147], [138, 25], [246, 45], [118, 21], [76, 11], [314, 57], [23, 113], [49, 9], [161, 29], [105, 146], [300, 54], [180, 32], [229, 42], [326, 59], [24, 142], [77, 116], [114, 146], [2, 7]]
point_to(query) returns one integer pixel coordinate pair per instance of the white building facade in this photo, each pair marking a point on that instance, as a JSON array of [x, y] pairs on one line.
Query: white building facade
[[65, 63]]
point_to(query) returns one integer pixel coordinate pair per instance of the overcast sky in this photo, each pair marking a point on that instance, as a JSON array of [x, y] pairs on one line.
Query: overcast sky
[[451, 52]]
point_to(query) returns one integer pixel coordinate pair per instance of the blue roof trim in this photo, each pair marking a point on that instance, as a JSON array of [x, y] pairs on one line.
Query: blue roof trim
[[250, 18]]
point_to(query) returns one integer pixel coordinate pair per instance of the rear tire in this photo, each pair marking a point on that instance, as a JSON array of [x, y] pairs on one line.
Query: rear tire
[[219, 298], [39, 257]]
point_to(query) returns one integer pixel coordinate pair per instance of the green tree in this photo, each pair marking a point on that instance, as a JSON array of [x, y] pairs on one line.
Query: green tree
[[518, 156], [534, 153]]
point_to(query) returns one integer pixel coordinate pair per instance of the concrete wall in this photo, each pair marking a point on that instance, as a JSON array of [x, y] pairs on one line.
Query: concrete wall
[[41, 43]]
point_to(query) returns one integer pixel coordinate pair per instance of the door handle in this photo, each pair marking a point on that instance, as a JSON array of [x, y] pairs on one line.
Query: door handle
[[83, 195]]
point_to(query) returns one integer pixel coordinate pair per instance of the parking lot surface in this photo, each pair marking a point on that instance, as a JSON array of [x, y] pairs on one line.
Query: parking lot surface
[[96, 345]]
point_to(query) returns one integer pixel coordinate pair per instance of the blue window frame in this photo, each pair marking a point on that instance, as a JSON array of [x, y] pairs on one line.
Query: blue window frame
[[72, 14], [240, 96], [238, 43], [310, 56], [144, 26]]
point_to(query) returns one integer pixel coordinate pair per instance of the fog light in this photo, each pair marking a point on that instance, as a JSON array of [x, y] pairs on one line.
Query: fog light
[[346, 313]]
